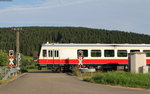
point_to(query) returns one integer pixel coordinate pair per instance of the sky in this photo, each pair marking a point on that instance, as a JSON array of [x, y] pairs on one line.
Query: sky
[[123, 15]]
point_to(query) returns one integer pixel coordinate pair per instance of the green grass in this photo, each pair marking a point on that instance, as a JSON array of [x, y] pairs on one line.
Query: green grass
[[35, 69], [82, 75], [1, 76], [121, 78], [6, 81], [76, 72]]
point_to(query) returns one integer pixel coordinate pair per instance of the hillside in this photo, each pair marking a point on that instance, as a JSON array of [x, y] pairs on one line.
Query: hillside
[[31, 38]]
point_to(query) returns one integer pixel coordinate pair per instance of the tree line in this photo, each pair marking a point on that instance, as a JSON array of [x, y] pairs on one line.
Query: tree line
[[31, 38]]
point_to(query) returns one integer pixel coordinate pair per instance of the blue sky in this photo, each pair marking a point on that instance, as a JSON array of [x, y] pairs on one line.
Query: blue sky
[[124, 15]]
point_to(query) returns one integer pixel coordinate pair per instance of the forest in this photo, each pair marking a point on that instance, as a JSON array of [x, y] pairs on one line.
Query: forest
[[31, 38]]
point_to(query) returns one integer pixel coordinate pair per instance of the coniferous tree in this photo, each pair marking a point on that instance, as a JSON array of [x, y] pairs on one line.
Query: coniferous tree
[[31, 38]]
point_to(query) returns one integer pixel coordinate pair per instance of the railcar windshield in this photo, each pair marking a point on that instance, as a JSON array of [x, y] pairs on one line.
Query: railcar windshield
[[44, 53]]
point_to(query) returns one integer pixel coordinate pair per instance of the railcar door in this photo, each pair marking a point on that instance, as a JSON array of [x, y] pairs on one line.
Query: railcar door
[[50, 55], [54, 56]]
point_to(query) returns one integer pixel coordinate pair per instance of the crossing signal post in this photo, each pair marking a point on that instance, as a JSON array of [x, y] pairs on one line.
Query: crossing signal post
[[11, 58], [80, 58]]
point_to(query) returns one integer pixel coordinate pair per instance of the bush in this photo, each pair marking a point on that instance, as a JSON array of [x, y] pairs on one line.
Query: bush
[[28, 63], [22, 70], [3, 58]]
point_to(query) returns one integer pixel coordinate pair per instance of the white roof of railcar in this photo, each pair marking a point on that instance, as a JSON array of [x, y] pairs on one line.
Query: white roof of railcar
[[94, 45]]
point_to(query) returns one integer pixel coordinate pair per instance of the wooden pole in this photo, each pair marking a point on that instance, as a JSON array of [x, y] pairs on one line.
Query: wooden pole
[[17, 47]]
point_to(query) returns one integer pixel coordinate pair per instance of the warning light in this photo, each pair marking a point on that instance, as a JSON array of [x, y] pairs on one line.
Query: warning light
[[11, 53]]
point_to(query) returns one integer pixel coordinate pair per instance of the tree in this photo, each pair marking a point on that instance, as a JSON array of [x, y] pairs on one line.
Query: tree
[[3, 59], [31, 38]]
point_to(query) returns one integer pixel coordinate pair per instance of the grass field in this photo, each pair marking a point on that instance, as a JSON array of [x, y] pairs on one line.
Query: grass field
[[122, 79]]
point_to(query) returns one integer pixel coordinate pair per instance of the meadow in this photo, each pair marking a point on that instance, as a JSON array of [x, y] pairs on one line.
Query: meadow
[[121, 79]]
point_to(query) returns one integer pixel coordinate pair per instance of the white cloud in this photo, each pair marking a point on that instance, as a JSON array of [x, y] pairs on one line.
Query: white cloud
[[126, 15], [46, 4]]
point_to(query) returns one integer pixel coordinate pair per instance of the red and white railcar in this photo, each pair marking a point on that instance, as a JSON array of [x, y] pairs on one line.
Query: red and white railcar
[[94, 54]]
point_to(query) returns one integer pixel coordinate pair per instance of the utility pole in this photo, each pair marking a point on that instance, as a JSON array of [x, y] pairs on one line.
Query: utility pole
[[17, 48], [17, 29]]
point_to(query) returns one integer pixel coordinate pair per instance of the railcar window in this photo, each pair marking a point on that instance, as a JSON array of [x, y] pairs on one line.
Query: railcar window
[[134, 50], [109, 53], [147, 53], [83, 53], [44, 53], [57, 53], [50, 54], [95, 53], [122, 53]]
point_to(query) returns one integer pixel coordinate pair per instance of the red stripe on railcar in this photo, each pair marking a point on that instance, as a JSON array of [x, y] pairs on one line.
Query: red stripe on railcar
[[148, 61], [86, 61]]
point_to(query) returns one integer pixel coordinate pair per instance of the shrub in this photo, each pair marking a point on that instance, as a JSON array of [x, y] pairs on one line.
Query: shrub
[[3, 58], [28, 63]]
